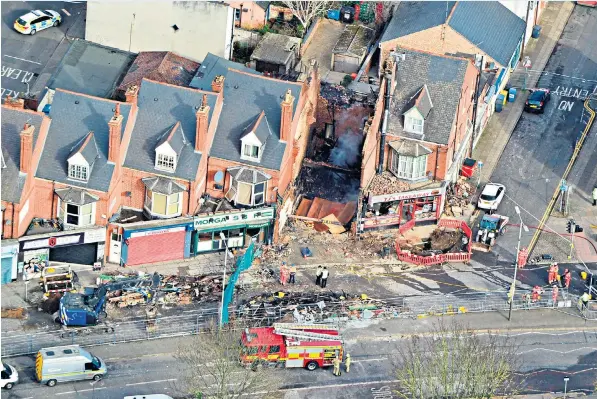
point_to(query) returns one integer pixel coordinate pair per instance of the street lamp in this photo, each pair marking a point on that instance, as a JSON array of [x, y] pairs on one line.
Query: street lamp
[[223, 237], [566, 379], [513, 288]]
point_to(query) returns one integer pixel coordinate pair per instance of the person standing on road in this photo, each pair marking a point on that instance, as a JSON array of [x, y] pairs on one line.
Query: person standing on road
[[536, 293], [336, 363], [324, 277], [292, 274], [318, 275], [554, 294], [567, 278], [347, 362], [585, 298], [595, 196]]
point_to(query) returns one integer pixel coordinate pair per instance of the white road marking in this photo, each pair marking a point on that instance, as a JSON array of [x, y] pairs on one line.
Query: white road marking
[[22, 59], [370, 360], [150, 382], [80, 390], [66, 12], [553, 350]]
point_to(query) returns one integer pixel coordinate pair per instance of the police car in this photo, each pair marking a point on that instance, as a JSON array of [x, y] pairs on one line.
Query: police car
[[37, 20]]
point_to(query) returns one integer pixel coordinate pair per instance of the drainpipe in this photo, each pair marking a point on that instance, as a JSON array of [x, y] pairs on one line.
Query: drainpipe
[[384, 126], [53, 194], [12, 222], [189, 199], [475, 106]]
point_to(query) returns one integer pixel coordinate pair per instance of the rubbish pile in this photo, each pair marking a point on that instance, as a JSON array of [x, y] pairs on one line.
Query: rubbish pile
[[387, 183], [440, 241], [323, 215], [459, 197]]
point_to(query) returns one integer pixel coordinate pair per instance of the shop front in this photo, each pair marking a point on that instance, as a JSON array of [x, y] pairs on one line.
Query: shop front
[[396, 209], [239, 227], [156, 244], [84, 247], [10, 257]]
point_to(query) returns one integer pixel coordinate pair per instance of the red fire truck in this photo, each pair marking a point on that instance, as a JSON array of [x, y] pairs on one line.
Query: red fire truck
[[292, 345]]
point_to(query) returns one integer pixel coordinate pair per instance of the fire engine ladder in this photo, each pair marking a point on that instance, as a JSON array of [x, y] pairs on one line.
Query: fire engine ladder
[[299, 326], [306, 335]]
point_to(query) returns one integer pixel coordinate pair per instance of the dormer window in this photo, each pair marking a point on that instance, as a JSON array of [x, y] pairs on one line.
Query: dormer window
[[166, 162], [254, 138], [82, 158], [413, 125], [417, 110], [251, 151], [169, 148], [78, 172]]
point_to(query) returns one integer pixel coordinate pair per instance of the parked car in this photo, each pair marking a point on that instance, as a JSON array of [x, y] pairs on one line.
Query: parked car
[[491, 196], [37, 20], [10, 376], [587, 3], [537, 100]]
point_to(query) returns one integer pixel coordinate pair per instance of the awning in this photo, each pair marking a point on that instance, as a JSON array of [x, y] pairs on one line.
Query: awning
[[409, 148], [163, 185], [76, 196]]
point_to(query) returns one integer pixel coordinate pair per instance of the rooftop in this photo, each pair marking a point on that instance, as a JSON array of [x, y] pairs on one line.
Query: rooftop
[[13, 121], [355, 40], [90, 68], [213, 66], [276, 49], [416, 16], [160, 66], [320, 48]]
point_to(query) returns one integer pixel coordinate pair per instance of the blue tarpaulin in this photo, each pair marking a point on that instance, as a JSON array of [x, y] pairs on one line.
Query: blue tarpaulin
[[243, 263]]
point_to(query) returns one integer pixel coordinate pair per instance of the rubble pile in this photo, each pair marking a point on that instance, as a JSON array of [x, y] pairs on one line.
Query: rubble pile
[[334, 94], [387, 183], [445, 240], [459, 197], [18, 313]]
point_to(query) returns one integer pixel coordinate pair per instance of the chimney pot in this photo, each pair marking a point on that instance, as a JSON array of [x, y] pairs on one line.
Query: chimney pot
[[115, 134], [15, 103], [131, 94], [26, 148], [218, 84], [286, 115], [202, 127]]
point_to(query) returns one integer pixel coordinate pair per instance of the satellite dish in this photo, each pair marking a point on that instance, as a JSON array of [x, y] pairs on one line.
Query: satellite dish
[[219, 177]]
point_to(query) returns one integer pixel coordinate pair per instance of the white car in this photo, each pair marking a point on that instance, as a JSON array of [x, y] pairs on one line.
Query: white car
[[37, 20], [491, 196], [10, 376]]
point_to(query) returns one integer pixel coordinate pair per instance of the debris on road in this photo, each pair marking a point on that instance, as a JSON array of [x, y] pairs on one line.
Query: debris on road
[[18, 313], [459, 198]]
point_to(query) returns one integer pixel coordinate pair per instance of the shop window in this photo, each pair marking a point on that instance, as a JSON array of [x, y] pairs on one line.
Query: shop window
[[162, 204], [205, 236], [76, 215], [406, 167], [246, 194]]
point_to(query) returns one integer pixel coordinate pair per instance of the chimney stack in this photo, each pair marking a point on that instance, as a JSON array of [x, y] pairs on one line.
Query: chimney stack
[[115, 129], [286, 122], [131, 94], [202, 115], [218, 84], [26, 148], [15, 103]]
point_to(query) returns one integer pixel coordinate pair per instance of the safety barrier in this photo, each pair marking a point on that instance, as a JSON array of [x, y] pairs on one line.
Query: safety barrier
[[589, 311], [407, 226]]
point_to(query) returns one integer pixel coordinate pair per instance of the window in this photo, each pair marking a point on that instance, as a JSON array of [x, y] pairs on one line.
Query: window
[[413, 125], [79, 172], [251, 151], [162, 204], [408, 167], [246, 193], [76, 215], [166, 162], [237, 14]]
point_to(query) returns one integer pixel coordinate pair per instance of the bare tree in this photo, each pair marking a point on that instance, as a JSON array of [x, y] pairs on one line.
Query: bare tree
[[453, 361], [211, 368], [305, 10]]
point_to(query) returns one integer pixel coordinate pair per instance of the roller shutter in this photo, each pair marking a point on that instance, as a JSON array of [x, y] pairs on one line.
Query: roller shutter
[[85, 254], [156, 248]]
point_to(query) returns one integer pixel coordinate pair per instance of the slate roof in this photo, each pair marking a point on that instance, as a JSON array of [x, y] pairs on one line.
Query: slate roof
[[90, 68], [422, 101], [276, 49], [162, 185], [248, 175], [87, 147], [73, 117], [355, 40], [245, 96], [415, 16], [161, 66], [175, 137], [76, 196], [161, 106], [213, 66], [13, 121], [260, 127], [490, 26], [443, 77]]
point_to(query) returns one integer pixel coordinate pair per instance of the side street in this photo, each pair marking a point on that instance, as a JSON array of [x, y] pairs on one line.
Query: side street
[[353, 176]]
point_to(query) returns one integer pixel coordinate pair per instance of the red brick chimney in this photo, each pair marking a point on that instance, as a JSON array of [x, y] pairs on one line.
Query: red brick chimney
[[286, 122], [218, 84], [16, 103], [202, 126], [131, 94], [115, 129], [26, 148]]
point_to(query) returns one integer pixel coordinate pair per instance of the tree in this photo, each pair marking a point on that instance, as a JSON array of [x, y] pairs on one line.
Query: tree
[[305, 10], [452, 361], [210, 363]]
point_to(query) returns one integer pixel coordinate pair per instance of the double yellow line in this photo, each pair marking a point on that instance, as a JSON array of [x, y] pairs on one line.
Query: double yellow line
[[564, 176]]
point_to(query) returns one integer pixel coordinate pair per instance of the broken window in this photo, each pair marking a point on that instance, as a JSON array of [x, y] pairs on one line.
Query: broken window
[[246, 193]]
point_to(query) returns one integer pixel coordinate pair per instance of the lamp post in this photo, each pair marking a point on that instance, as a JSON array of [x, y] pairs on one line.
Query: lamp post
[[566, 379], [223, 237], [513, 288]]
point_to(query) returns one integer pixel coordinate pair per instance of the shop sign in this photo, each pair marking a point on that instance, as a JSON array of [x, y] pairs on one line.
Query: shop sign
[[92, 236], [157, 232], [52, 242], [406, 195], [225, 219]]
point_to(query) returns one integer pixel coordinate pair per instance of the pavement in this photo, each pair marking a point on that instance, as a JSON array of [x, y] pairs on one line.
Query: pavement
[[29, 61], [551, 345]]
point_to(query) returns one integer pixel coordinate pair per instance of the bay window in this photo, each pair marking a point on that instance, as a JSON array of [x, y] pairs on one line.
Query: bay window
[[247, 194], [162, 204], [408, 167], [76, 215]]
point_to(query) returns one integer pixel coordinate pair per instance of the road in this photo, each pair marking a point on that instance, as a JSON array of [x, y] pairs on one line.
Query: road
[[25, 58], [144, 367], [540, 147]]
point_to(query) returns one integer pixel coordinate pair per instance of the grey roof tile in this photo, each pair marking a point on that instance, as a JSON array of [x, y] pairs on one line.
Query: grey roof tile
[[13, 121], [213, 66], [87, 147], [490, 26], [248, 175], [409, 148], [443, 77], [162, 185], [260, 127], [422, 101], [73, 117], [76, 196], [244, 97], [416, 16], [276, 49], [161, 106], [175, 137]]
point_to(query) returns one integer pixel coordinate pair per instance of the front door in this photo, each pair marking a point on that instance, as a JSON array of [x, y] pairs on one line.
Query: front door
[[115, 246]]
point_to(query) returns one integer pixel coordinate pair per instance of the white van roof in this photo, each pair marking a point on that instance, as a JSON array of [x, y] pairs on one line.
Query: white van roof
[[63, 352], [154, 396]]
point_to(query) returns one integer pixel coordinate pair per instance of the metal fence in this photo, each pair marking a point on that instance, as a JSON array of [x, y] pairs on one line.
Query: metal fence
[[589, 311]]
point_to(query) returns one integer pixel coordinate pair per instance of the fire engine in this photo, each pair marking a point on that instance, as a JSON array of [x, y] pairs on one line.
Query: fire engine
[[292, 345]]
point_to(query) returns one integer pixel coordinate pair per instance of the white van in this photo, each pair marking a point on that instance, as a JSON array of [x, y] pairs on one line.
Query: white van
[[67, 363], [10, 376]]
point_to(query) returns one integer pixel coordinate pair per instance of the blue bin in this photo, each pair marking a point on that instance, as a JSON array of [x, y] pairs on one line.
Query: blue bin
[[334, 14], [536, 32], [511, 95], [499, 104]]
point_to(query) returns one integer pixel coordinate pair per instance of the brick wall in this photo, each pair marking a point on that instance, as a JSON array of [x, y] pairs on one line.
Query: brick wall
[[370, 154], [253, 18]]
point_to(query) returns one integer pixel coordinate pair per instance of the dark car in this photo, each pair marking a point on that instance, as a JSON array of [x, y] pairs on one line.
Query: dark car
[[537, 101]]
